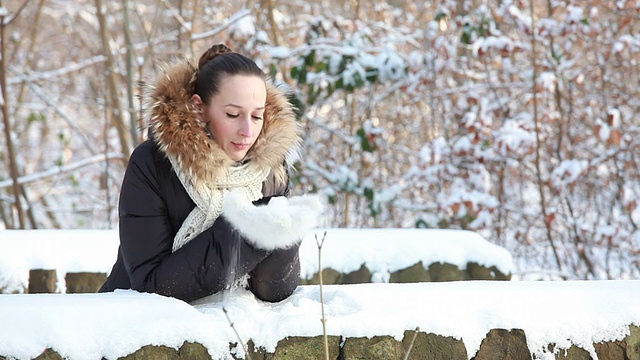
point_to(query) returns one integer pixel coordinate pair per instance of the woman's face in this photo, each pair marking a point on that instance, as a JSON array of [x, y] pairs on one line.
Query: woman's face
[[234, 114]]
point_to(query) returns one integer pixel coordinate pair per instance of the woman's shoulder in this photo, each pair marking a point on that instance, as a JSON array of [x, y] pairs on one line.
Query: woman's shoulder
[[146, 148], [149, 154], [146, 151]]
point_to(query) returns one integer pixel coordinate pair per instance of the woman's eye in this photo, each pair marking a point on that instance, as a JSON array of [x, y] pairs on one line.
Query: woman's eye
[[257, 117], [232, 115]]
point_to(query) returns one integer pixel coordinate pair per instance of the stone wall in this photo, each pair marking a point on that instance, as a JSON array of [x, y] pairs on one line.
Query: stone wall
[[416, 273], [45, 281], [499, 344], [421, 255]]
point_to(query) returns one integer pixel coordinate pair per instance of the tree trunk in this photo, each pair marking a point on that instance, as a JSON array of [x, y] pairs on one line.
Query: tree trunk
[[13, 166], [117, 118], [133, 121], [270, 5]]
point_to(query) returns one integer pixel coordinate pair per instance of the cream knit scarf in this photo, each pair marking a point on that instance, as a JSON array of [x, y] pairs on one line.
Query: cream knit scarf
[[208, 197]]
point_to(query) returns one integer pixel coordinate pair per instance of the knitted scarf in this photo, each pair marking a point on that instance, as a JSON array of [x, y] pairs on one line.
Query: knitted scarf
[[209, 197]]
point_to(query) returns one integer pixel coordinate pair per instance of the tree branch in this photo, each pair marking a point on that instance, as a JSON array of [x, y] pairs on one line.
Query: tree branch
[[58, 170]]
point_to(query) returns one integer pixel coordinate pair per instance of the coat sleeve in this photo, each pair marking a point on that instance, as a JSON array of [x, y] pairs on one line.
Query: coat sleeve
[[205, 265], [277, 276]]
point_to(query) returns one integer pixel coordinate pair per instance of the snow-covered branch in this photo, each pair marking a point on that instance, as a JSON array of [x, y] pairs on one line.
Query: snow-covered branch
[[59, 170]]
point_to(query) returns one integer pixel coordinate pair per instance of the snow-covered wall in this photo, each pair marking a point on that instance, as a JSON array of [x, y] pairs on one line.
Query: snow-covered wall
[[455, 321], [381, 251], [443, 320]]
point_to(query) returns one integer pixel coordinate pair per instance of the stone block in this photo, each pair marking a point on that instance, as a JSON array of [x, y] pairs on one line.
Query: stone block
[[433, 347], [377, 347], [42, 281], [49, 354], [502, 344], [360, 276], [153, 352], [329, 277], [84, 282], [296, 348], [632, 342], [476, 271], [413, 274], [193, 351], [446, 272], [573, 353], [611, 350]]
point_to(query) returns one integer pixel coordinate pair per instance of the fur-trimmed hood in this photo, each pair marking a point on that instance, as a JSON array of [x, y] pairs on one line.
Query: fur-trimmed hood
[[182, 137]]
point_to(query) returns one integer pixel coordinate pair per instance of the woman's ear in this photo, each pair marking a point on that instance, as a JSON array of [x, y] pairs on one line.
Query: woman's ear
[[198, 109], [198, 105]]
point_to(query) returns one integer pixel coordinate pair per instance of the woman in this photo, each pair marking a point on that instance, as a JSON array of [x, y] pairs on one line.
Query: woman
[[203, 202]]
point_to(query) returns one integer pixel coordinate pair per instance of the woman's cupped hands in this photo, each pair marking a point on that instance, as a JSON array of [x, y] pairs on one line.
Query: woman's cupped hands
[[272, 222]]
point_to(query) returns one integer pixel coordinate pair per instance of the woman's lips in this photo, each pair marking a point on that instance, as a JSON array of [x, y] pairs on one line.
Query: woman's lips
[[240, 146]]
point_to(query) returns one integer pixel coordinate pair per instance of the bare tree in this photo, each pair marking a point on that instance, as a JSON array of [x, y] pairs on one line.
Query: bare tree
[[11, 153], [116, 114]]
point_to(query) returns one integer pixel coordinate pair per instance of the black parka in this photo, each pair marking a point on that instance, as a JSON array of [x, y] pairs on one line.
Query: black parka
[[153, 205]]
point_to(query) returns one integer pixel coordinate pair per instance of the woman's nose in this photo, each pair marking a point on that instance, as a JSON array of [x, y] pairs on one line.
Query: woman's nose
[[245, 127]]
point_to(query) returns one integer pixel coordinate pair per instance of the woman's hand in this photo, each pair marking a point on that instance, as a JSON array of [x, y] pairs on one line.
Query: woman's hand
[[280, 223]]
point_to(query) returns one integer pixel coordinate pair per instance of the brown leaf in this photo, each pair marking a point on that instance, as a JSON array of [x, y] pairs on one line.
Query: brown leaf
[[598, 127], [615, 137], [455, 207], [549, 219]]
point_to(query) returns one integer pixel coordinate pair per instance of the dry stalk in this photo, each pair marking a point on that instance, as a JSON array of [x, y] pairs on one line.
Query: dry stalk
[[415, 335], [248, 357], [543, 207], [324, 319]]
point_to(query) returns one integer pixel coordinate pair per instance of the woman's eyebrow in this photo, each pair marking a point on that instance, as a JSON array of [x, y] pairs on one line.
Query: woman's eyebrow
[[240, 107]]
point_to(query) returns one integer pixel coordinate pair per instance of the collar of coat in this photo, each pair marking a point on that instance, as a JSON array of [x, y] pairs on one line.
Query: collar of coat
[[182, 137]]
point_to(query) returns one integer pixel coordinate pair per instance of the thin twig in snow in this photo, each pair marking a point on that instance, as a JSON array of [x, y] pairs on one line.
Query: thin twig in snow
[[237, 335], [324, 319]]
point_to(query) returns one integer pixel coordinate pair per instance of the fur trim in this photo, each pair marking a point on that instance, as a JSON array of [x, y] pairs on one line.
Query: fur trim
[[181, 136]]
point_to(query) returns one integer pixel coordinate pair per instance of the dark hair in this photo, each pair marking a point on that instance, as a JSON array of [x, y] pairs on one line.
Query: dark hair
[[220, 61]]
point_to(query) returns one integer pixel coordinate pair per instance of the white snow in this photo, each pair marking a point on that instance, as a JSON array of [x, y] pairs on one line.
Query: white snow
[[382, 250], [91, 326], [62, 250], [513, 140], [615, 116], [493, 42], [568, 171], [279, 52]]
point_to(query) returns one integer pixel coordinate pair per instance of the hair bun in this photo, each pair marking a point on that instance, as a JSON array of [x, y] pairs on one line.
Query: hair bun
[[212, 52]]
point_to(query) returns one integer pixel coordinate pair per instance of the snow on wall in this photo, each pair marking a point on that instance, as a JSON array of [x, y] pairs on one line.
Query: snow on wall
[[382, 250]]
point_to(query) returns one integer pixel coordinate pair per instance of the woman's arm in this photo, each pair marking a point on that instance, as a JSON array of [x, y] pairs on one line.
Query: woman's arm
[[276, 277], [205, 265]]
